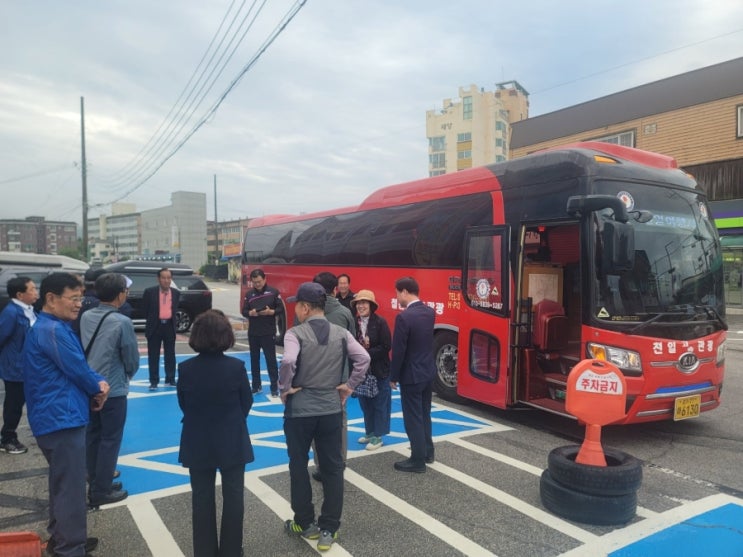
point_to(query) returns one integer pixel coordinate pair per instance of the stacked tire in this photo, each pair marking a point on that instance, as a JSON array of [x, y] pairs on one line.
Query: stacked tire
[[602, 495]]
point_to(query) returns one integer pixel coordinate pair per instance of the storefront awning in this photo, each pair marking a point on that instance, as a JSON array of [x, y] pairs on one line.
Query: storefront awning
[[732, 241]]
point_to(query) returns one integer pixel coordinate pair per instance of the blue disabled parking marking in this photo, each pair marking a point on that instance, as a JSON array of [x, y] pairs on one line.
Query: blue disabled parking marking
[[717, 532], [149, 452]]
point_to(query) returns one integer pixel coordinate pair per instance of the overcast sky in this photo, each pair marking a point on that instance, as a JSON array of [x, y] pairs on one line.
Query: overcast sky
[[333, 109]]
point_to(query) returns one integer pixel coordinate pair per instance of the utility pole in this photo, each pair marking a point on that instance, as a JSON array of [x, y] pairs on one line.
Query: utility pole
[[85, 182], [216, 227]]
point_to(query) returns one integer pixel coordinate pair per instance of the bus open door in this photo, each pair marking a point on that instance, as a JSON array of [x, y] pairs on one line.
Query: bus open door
[[484, 330]]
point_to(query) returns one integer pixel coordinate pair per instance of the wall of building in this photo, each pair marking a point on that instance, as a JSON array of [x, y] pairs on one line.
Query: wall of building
[[473, 134], [177, 228], [693, 135]]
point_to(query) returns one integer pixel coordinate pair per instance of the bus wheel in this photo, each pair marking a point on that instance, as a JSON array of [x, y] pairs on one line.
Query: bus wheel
[[584, 507], [445, 356], [621, 475]]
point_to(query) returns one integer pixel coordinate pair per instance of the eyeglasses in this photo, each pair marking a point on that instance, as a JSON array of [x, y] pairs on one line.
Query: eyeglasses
[[73, 299]]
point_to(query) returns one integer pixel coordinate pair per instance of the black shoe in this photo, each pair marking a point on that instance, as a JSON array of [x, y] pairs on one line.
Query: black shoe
[[430, 459], [410, 465], [171, 383], [257, 389], [317, 476], [116, 486], [90, 545], [153, 387], [113, 496]]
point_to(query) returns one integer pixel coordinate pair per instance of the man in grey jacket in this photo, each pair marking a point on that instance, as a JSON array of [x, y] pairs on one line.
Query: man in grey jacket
[[313, 390], [110, 346]]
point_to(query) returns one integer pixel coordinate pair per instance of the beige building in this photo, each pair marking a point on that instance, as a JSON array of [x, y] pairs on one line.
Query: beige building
[[696, 117], [474, 129]]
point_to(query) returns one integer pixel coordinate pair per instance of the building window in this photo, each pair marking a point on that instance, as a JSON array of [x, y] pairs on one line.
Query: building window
[[500, 158], [626, 139], [499, 143], [437, 160], [437, 143], [740, 121], [467, 108], [437, 173], [464, 154], [499, 125], [462, 137]]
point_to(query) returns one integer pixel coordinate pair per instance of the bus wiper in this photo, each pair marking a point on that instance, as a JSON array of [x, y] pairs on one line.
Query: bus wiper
[[688, 310], [712, 313]]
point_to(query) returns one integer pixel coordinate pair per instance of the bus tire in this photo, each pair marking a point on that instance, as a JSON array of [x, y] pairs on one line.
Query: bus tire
[[584, 507], [445, 355], [621, 475]]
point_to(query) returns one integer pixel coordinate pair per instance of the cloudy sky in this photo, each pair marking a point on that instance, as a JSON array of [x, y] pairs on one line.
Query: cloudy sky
[[333, 109]]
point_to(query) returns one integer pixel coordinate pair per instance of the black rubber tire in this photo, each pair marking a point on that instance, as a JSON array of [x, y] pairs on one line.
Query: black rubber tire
[[584, 507], [445, 354], [621, 475]]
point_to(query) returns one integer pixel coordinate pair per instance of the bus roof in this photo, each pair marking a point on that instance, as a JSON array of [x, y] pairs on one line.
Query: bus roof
[[574, 158]]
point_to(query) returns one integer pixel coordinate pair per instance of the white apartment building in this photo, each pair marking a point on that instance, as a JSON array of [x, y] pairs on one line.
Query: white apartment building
[[474, 129]]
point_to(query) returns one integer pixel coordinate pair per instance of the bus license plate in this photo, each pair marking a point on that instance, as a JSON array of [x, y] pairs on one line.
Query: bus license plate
[[686, 407]]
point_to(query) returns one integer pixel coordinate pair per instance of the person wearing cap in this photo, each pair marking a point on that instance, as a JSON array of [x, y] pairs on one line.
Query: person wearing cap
[[337, 313], [373, 333], [414, 368], [90, 297], [110, 346], [313, 391]]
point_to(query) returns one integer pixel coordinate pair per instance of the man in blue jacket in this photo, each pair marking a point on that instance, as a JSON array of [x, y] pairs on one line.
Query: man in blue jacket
[[60, 390], [16, 318], [414, 368]]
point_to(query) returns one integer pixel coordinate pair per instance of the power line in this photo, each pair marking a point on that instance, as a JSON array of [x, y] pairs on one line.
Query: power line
[[37, 174], [272, 37], [607, 70]]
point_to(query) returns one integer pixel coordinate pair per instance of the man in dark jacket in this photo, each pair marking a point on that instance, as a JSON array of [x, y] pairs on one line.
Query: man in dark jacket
[[160, 307], [261, 306], [15, 320], [414, 368]]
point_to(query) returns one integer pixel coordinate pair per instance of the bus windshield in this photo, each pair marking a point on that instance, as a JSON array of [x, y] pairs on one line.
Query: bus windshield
[[675, 285]]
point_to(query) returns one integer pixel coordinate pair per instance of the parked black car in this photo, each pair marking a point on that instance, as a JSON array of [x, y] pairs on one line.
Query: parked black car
[[195, 298]]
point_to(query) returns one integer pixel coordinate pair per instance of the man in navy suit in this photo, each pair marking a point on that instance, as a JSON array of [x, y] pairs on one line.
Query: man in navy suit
[[413, 367], [15, 320], [160, 306]]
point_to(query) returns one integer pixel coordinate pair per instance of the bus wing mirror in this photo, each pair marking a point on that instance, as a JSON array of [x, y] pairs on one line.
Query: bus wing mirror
[[618, 240], [582, 205]]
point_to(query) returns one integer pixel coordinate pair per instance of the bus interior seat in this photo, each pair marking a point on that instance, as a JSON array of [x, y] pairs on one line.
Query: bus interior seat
[[550, 332]]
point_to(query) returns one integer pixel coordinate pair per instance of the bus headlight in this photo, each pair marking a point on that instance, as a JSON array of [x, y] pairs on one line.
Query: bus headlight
[[720, 354], [623, 359]]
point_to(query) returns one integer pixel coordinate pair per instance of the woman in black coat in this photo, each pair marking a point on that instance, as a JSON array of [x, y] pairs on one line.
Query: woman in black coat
[[374, 334], [214, 395]]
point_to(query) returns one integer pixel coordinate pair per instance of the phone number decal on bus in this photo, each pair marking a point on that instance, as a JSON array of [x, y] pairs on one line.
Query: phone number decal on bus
[[488, 305]]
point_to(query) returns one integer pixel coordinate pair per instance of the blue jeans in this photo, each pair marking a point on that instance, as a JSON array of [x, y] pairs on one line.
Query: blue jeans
[[326, 432], [377, 410]]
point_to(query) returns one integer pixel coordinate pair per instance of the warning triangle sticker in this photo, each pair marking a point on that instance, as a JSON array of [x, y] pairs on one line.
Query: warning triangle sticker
[[603, 313], [495, 291]]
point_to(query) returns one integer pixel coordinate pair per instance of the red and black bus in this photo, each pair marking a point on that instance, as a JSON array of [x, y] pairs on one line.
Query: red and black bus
[[591, 250]]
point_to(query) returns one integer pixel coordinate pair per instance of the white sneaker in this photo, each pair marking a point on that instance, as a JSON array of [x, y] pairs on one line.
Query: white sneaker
[[374, 443]]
